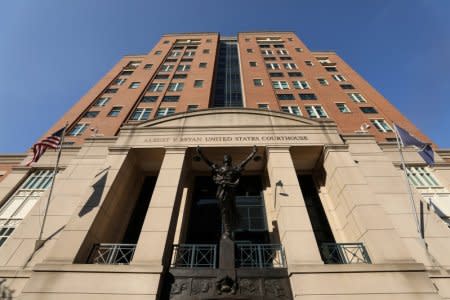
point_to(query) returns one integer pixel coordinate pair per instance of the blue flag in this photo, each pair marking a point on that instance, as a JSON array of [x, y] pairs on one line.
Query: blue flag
[[424, 149]]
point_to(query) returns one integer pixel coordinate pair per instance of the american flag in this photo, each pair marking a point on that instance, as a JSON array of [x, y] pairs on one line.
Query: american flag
[[52, 141]]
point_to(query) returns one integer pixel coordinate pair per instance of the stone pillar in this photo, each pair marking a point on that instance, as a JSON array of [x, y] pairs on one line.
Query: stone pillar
[[294, 226], [163, 210]]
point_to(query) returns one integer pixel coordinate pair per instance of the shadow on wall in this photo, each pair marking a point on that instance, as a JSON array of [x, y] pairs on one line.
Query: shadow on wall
[[94, 199]]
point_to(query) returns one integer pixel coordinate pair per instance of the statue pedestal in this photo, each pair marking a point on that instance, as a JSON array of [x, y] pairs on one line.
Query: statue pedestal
[[226, 254]]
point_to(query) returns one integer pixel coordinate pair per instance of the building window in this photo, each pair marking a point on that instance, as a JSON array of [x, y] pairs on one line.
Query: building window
[[133, 64], [78, 129], [331, 69], [347, 87], [191, 47], [381, 125], [186, 59], [299, 49], [247, 40], [257, 82], [205, 51], [309, 63], [126, 73], [202, 65], [22, 201], [176, 86], [308, 96], [90, 114], [165, 111], [322, 81], [323, 60], [316, 111], [266, 52], [134, 85], [252, 63], [285, 97], [149, 99], [282, 52], [273, 66], [192, 107], [102, 101], [162, 76], [189, 53], [295, 74], [290, 39], [208, 40], [174, 53], [295, 110], [368, 110], [357, 97], [171, 98], [119, 81], [249, 50], [198, 83], [269, 58], [156, 87], [170, 60], [183, 68], [180, 76], [343, 108], [166, 42], [115, 111], [421, 177], [263, 106], [276, 74], [278, 46], [338, 77], [140, 114], [300, 84], [158, 52], [166, 68], [285, 58], [290, 66], [111, 91], [280, 85], [264, 46]]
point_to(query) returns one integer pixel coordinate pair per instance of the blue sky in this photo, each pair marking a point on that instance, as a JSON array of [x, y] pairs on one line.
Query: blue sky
[[53, 52]]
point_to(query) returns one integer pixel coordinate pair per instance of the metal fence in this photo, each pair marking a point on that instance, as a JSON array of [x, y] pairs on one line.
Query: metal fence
[[194, 256], [260, 256], [114, 254], [344, 253]]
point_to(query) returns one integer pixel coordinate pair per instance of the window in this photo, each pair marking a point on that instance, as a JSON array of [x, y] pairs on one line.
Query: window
[[198, 83], [282, 52], [202, 65], [276, 74], [263, 106], [285, 58], [421, 177], [338, 77], [170, 60], [191, 47], [381, 125], [166, 42], [300, 84], [134, 85], [171, 98], [368, 110], [309, 63], [174, 53], [140, 114], [178, 48], [299, 49], [192, 107], [316, 111], [166, 68], [22, 201], [115, 111], [252, 63], [126, 73], [308, 96], [176, 86], [208, 40], [280, 85], [278, 46], [119, 81], [90, 114], [269, 58], [357, 97], [249, 50], [343, 108], [266, 52], [78, 129], [133, 64], [285, 97], [331, 69], [156, 87], [165, 111], [205, 51], [247, 40], [322, 81], [273, 66], [264, 46], [290, 39], [347, 87], [323, 60], [111, 91], [102, 101], [295, 74], [295, 110], [290, 66], [257, 82], [189, 53], [186, 59], [183, 68], [179, 76], [162, 76], [158, 52], [149, 99]]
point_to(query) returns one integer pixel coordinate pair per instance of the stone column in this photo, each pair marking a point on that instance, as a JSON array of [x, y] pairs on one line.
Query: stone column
[[156, 236], [294, 226]]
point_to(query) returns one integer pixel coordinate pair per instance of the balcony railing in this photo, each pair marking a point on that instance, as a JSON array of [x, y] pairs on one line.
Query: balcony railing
[[113, 254], [260, 256], [344, 253], [194, 256]]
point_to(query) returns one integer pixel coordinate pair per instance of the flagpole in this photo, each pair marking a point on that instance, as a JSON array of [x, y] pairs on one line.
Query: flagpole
[[40, 242], [411, 197]]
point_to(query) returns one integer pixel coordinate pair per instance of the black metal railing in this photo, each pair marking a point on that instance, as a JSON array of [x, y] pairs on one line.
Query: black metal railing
[[344, 253], [260, 256], [194, 256], [113, 254]]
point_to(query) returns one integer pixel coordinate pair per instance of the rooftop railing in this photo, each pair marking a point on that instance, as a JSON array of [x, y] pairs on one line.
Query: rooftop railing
[[344, 253], [113, 254]]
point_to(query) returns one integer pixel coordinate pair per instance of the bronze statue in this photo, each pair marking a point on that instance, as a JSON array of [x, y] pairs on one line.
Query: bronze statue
[[227, 179]]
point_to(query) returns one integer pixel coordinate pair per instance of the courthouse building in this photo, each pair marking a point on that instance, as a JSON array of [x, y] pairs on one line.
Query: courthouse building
[[324, 208]]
